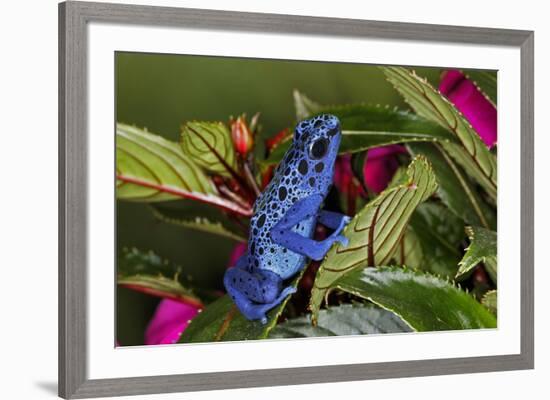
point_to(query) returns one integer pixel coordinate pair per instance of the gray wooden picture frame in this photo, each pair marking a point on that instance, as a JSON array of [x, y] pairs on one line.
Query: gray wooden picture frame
[[73, 172]]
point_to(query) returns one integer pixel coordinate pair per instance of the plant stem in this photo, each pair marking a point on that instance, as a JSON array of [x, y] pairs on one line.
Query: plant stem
[[205, 198], [251, 180]]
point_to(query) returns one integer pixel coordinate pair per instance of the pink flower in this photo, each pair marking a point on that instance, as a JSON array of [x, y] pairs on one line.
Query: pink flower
[[343, 176], [378, 171], [169, 321], [381, 165], [475, 107], [172, 317]]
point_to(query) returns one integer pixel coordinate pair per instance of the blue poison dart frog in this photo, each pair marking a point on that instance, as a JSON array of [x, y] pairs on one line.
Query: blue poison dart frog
[[285, 214]]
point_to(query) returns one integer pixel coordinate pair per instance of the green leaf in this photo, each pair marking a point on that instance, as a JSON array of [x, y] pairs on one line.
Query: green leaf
[[409, 251], [437, 234], [483, 248], [149, 273], [471, 153], [482, 172], [489, 300], [151, 168], [222, 321], [486, 82], [375, 232], [455, 189], [304, 106], [440, 222], [368, 126], [425, 302], [345, 319], [200, 218], [210, 145]]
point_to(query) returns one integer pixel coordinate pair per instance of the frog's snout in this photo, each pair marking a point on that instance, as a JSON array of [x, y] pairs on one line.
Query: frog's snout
[[323, 124], [331, 121], [327, 122]]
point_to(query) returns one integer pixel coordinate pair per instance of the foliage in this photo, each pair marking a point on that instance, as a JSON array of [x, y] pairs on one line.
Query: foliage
[[147, 272], [486, 81], [374, 233], [489, 300], [455, 189], [147, 163], [345, 319], [408, 265], [150, 168], [221, 321], [200, 218], [471, 153], [438, 304], [483, 248], [368, 126], [431, 240], [210, 145]]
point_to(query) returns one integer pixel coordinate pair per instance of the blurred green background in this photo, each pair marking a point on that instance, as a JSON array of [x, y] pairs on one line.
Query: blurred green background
[[162, 91]]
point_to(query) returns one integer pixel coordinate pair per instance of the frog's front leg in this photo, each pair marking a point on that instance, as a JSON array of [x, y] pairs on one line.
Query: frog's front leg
[[334, 220], [255, 293], [282, 233]]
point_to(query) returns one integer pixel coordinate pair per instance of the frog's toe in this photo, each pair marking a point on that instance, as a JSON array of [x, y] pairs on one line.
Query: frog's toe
[[288, 290], [342, 239], [343, 223], [263, 320], [283, 295]]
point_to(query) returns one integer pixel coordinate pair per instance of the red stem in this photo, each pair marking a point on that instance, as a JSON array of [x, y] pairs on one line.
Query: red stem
[[205, 198]]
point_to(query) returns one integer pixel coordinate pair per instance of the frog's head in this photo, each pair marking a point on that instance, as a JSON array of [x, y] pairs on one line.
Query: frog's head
[[319, 138], [310, 160]]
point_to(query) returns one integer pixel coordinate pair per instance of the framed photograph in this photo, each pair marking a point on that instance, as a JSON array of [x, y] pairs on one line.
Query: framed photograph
[[281, 199]]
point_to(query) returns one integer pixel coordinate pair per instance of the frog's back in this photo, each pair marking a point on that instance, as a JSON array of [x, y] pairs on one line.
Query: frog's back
[[298, 176]]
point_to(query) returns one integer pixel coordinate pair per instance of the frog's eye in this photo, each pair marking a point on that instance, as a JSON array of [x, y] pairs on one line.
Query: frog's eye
[[318, 148]]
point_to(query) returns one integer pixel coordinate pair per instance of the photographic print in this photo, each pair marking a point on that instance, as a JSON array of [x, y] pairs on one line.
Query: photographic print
[[273, 199]]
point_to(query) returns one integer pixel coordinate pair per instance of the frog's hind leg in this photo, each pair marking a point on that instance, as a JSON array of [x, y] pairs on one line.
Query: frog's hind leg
[[260, 287], [255, 293]]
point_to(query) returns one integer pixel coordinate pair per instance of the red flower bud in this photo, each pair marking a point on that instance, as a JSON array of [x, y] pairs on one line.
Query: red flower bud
[[241, 135]]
